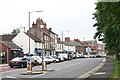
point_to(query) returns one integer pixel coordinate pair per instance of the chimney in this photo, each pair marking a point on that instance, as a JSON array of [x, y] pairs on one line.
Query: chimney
[[33, 25], [77, 40], [58, 40], [67, 39], [45, 24], [50, 29], [38, 23]]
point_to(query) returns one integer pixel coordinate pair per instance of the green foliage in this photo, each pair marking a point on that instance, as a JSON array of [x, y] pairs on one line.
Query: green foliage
[[15, 31], [107, 16], [116, 73]]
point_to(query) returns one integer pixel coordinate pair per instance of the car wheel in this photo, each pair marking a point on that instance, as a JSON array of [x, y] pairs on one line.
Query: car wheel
[[22, 66], [55, 61], [11, 66]]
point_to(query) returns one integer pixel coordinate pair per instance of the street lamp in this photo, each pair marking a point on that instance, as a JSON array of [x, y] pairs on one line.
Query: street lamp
[[29, 24], [29, 64], [62, 37]]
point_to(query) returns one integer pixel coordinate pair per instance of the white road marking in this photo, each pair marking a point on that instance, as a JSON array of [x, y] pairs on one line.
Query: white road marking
[[38, 75], [10, 77], [92, 71], [99, 73]]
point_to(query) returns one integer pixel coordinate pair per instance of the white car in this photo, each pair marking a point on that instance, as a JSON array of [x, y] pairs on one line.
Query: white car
[[47, 59], [85, 56], [38, 59], [54, 59]]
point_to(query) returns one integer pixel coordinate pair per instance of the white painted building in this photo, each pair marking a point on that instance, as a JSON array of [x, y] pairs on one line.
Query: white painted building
[[22, 40], [69, 48]]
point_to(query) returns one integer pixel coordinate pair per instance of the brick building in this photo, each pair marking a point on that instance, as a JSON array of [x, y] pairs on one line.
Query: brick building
[[8, 49], [48, 37]]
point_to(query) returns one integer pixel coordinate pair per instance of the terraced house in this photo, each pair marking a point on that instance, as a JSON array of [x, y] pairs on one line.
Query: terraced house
[[47, 36]]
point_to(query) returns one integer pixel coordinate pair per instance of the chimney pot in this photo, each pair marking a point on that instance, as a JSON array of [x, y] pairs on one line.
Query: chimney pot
[[67, 39]]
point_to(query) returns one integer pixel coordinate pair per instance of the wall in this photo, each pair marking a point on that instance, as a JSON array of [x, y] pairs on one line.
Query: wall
[[22, 40], [7, 52]]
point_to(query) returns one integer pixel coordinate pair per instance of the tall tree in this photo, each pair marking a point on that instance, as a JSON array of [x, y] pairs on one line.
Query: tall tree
[[107, 16]]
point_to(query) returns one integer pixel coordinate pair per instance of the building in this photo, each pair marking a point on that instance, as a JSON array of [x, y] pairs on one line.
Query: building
[[48, 37], [71, 45], [8, 49], [29, 43], [58, 48], [101, 48]]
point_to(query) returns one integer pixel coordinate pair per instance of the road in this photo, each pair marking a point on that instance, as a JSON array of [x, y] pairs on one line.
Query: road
[[68, 69]]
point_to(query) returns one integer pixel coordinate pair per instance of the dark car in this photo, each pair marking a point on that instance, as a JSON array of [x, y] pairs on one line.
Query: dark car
[[20, 62]]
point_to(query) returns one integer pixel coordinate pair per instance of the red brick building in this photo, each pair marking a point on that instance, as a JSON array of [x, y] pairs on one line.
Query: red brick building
[[8, 50]]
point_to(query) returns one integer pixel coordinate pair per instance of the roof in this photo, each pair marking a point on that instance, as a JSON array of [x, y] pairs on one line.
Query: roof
[[72, 43], [35, 38], [6, 37], [10, 45]]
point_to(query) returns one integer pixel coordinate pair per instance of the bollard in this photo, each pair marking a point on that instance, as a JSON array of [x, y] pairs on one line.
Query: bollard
[[29, 66], [44, 66]]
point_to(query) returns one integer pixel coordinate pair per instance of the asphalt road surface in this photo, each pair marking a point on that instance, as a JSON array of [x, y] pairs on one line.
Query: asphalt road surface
[[67, 70]]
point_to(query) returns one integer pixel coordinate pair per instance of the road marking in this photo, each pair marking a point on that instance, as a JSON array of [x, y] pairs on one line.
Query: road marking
[[99, 73], [86, 75], [38, 75], [10, 77]]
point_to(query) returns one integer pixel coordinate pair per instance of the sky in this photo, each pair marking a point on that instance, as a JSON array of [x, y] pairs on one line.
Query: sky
[[73, 17]]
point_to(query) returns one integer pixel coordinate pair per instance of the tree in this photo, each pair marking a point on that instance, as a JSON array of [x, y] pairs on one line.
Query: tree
[[107, 16], [15, 31]]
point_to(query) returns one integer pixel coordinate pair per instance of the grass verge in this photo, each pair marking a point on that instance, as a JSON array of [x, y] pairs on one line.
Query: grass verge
[[116, 73]]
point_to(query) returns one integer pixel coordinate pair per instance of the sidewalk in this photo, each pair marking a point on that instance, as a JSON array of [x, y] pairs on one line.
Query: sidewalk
[[104, 72], [3, 65]]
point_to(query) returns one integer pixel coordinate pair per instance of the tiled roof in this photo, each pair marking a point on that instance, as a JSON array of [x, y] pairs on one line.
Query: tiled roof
[[35, 38], [72, 43], [6, 37], [10, 45]]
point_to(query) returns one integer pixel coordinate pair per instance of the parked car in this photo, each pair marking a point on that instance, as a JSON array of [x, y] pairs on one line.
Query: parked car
[[33, 60], [92, 56], [48, 59], [38, 59], [85, 56], [79, 55], [20, 62], [97, 56], [61, 58], [54, 59]]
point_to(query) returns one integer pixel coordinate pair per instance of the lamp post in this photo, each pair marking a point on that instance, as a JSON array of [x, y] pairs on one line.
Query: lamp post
[[62, 37], [29, 64], [29, 24]]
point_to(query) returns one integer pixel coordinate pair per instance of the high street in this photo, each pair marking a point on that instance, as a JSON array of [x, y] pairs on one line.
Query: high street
[[67, 69]]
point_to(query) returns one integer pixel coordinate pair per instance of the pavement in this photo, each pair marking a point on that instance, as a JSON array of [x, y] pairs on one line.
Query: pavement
[[3, 65], [104, 72]]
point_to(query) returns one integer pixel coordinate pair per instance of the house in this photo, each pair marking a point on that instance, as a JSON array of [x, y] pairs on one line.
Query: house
[[92, 44], [29, 43], [8, 50], [58, 48], [71, 45], [46, 35], [101, 48]]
